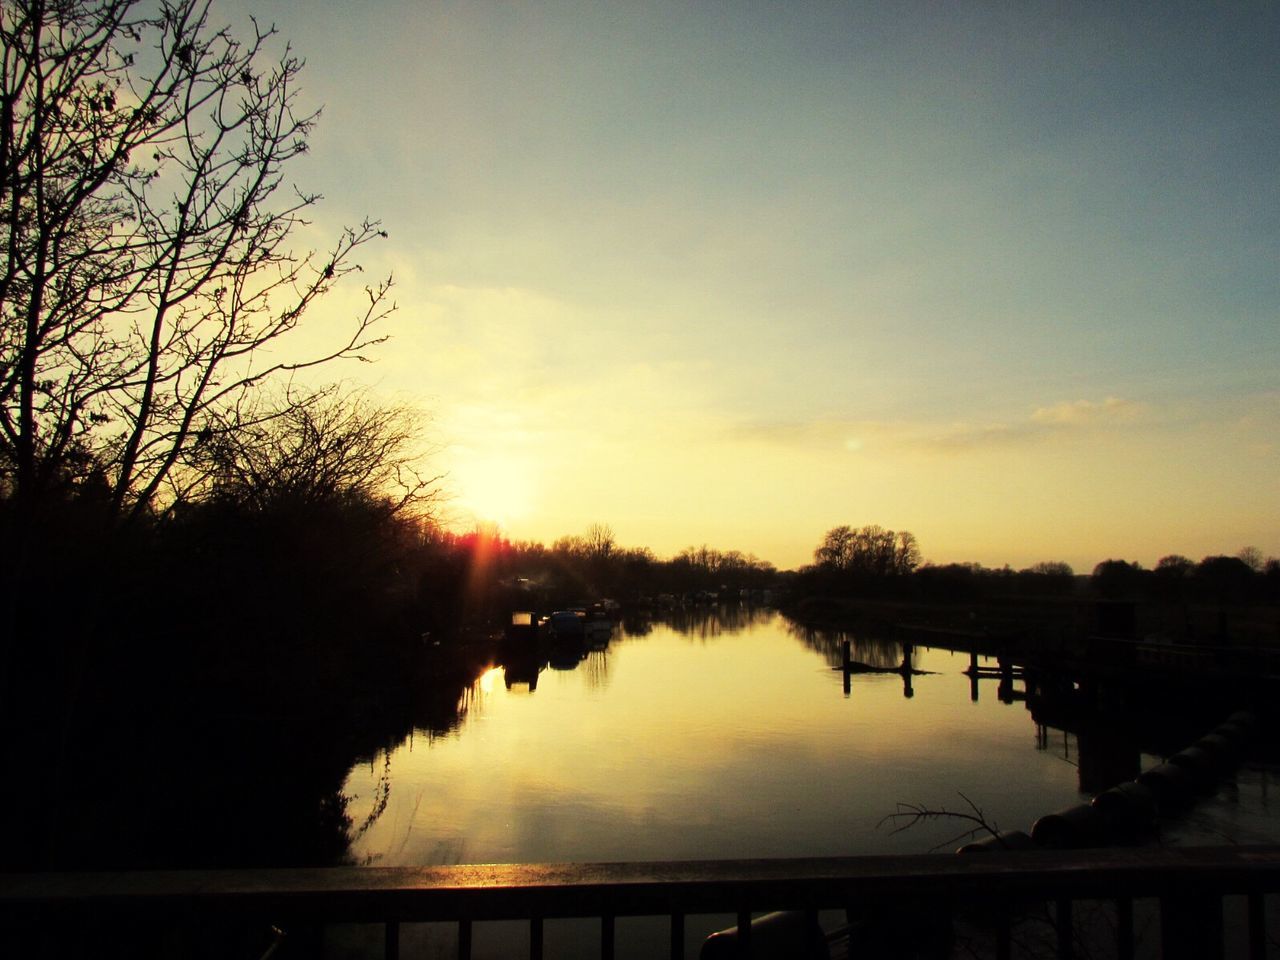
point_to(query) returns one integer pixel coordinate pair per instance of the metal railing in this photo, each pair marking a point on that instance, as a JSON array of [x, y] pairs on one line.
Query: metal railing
[[1185, 882]]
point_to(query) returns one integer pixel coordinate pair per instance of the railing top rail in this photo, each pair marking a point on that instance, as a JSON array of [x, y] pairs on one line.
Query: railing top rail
[[496, 891]]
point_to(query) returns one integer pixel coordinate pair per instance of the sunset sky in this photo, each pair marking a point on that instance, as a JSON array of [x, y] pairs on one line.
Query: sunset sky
[[1006, 276]]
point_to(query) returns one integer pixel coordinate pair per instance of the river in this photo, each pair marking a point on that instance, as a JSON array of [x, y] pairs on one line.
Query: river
[[727, 736], [722, 738]]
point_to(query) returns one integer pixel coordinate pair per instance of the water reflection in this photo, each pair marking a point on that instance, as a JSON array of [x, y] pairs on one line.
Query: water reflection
[[595, 670], [702, 621], [874, 651], [523, 656], [860, 653], [653, 747], [648, 746]]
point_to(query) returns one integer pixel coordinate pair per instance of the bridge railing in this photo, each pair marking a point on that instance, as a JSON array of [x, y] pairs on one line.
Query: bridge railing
[[40, 911]]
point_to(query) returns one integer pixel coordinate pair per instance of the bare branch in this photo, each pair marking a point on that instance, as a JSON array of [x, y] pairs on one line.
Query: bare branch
[[909, 815], [145, 265]]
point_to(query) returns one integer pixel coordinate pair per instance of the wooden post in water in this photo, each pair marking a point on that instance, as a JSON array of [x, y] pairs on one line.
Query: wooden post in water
[[844, 666]]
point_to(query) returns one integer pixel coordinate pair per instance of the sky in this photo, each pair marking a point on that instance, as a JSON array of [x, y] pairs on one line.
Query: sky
[[1001, 275]]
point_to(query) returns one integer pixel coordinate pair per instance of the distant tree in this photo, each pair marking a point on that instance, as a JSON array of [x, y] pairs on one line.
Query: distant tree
[[1252, 558], [1117, 578], [1053, 577], [1225, 579], [836, 551], [908, 554], [1224, 566], [869, 551], [1171, 579], [599, 542], [876, 551], [569, 545], [639, 570], [949, 583], [701, 563], [145, 223], [1051, 568], [1174, 565], [1271, 579]]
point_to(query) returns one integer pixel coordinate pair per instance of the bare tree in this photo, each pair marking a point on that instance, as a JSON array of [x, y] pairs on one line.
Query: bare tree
[[907, 556], [1176, 566], [868, 551], [1253, 558], [1051, 568], [145, 223], [836, 551], [600, 542], [332, 446]]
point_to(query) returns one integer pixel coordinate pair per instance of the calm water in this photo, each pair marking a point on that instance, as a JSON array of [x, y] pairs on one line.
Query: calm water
[[713, 742], [716, 741]]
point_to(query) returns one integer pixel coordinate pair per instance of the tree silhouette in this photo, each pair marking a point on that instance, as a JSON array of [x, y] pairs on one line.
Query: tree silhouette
[[144, 224], [149, 291], [333, 446], [869, 551], [908, 554], [600, 542], [1115, 579], [1252, 557]]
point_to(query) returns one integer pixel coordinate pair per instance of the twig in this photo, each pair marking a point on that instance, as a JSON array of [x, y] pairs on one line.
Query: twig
[[916, 813]]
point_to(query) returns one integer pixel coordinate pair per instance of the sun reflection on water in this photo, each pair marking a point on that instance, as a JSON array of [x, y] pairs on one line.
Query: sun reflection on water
[[724, 741]]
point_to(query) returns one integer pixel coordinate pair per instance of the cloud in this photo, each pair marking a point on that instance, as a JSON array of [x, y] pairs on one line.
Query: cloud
[[933, 436], [851, 435], [1078, 412], [968, 436]]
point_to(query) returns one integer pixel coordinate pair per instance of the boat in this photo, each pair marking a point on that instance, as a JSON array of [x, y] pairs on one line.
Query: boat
[[598, 628], [567, 625]]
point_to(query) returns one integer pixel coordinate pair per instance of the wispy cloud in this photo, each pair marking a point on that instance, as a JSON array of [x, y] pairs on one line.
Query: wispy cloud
[[943, 437], [1079, 412]]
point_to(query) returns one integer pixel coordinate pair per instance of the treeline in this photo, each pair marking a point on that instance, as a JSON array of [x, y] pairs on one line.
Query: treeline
[[874, 562], [480, 576], [1220, 580]]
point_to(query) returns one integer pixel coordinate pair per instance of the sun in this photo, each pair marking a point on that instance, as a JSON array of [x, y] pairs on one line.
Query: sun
[[498, 489]]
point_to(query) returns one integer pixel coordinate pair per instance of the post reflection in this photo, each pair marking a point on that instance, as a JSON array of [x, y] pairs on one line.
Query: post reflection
[[681, 734], [862, 655], [1106, 718]]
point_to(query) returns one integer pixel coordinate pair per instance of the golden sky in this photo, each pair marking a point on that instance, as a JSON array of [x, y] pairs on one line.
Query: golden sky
[[736, 273]]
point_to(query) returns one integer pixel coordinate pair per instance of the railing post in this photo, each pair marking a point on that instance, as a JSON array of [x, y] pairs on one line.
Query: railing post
[[606, 937], [744, 932], [1191, 927], [1257, 927], [1065, 929], [535, 938], [391, 940], [464, 940], [1004, 933], [677, 936], [1124, 929], [812, 932]]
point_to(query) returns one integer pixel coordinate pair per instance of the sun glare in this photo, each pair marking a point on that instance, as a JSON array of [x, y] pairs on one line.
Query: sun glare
[[495, 490]]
